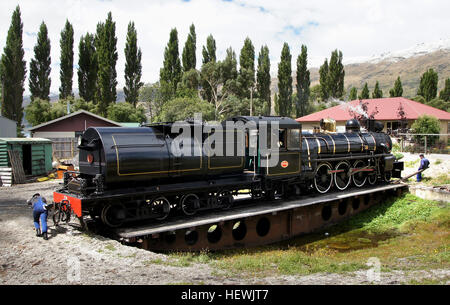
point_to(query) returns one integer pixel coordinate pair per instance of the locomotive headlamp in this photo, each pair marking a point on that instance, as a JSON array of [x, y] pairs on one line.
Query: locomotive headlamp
[[90, 158], [79, 140]]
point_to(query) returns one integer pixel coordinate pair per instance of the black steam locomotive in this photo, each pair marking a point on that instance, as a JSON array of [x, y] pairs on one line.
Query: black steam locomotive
[[129, 174]]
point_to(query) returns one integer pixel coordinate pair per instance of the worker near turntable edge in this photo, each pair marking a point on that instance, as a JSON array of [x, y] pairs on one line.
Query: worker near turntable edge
[[40, 214]]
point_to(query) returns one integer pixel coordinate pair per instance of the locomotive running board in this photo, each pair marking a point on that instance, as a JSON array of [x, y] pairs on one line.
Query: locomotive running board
[[252, 225]]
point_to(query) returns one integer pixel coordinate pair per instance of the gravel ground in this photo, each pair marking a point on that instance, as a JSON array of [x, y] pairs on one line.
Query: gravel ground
[[73, 257], [434, 169]]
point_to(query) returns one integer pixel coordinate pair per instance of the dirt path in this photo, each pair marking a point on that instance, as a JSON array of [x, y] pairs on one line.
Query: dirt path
[[73, 257]]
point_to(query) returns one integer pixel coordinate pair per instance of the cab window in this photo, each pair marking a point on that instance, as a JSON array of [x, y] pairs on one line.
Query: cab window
[[294, 139]]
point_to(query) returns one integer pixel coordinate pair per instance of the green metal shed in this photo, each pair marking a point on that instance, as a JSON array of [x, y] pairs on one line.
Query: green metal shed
[[36, 154]]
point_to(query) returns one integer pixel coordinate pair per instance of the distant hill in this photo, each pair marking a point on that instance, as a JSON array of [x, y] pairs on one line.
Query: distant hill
[[409, 64]]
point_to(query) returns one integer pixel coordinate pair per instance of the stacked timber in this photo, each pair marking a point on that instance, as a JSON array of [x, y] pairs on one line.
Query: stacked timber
[[5, 176], [16, 166]]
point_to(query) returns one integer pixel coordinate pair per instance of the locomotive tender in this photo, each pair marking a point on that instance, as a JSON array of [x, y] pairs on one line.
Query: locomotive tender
[[129, 174]]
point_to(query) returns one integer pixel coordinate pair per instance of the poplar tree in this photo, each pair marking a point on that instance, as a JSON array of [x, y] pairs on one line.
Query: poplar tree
[[428, 85], [66, 59], [209, 52], [377, 92], [39, 82], [397, 90], [285, 82], [444, 94], [353, 94], [170, 74], [209, 55], [106, 42], [87, 68], [189, 57], [246, 78], [323, 79], [133, 67], [13, 72], [303, 82], [365, 92], [263, 75], [336, 73]]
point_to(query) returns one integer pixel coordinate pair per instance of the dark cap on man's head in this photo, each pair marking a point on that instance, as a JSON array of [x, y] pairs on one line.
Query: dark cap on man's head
[[421, 155]]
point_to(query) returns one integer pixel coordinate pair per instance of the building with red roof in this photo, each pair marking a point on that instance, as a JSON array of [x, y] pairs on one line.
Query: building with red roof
[[385, 110]]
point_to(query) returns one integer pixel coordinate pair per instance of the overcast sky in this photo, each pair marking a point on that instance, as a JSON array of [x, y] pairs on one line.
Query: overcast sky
[[359, 28]]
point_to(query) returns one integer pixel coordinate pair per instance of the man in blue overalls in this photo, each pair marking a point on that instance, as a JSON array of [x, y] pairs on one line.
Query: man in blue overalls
[[424, 163], [40, 213]]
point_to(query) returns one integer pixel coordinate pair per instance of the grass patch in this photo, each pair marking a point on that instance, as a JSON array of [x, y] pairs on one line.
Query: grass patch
[[439, 180], [411, 163], [405, 233], [110, 247]]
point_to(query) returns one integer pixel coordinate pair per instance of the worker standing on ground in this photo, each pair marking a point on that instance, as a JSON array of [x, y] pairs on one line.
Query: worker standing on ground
[[40, 214], [424, 164]]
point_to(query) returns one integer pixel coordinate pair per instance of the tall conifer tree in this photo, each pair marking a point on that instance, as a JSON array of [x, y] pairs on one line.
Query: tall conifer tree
[[246, 78], [336, 73], [303, 82], [87, 68], [133, 66], [66, 72], [40, 68], [209, 51], [285, 82], [323, 79], [444, 94], [365, 92], [189, 57], [263, 75], [13, 72], [106, 49], [353, 94], [428, 85], [397, 90], [170, 74], [377, 92]]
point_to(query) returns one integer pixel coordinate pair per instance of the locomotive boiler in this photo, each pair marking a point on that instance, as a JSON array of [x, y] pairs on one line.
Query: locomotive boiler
[[134, 174]]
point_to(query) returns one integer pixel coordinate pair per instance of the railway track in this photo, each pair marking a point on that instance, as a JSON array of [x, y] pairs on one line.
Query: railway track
[[254, 224]]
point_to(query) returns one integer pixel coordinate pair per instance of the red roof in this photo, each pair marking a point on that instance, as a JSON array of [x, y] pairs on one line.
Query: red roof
[[387, 110]]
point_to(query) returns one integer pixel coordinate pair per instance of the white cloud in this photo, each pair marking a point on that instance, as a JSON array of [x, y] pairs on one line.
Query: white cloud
[[358, 28]]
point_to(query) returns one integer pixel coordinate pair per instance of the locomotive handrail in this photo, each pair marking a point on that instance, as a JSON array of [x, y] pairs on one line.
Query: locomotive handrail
[[352, 157]]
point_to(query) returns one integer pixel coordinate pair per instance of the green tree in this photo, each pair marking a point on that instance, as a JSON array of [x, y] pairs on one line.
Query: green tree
[[87, 68], [170, 74], [13, 72], [323, 79], [38, 111], [397, 91], [40, 68], [246, 77], [263, 75], [426, 124], [444, 94], [106, 49], [365, 92], [377, 92], [189, 57], [428, 85], [440, 104], [66, 59], [353, 94], [180, 109], [133, 67], [336, 74], [229, 73], [151, 95], [126, 112], [303, 83], [285, 82], [209, 52]]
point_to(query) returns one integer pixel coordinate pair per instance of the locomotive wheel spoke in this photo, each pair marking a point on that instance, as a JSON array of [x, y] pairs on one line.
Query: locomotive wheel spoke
[[189, 204], [323, 180], [225, 199], [372, 178], [359, 178], [113, 215], [161, 206], [342, 179]]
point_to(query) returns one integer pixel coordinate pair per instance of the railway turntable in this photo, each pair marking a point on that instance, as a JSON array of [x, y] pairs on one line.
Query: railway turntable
[[255, 224]]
